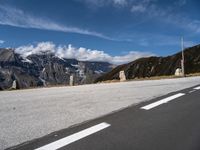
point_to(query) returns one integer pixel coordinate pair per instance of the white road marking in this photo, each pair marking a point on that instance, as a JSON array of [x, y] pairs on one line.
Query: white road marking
[[197, 88], [192, 91], [155, 104], [74, 137]]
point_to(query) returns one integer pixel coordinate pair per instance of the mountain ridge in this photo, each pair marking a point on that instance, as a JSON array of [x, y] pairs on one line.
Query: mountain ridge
[[157, 66], [46, 69]]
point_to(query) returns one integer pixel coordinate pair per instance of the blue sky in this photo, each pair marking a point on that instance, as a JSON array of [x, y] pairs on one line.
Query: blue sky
[[121, 30]]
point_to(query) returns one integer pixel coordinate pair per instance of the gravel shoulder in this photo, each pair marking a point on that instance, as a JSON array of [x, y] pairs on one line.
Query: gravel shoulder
[[33, 113]]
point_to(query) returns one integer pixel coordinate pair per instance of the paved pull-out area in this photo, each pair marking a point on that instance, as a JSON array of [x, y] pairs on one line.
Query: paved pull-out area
[[29, 114]]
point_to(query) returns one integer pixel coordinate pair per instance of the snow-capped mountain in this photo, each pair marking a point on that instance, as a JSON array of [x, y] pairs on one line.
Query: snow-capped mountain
[[46, 69]]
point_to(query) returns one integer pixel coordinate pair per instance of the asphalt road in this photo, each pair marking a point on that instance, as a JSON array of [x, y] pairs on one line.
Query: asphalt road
[[30, 114], [170, 122]]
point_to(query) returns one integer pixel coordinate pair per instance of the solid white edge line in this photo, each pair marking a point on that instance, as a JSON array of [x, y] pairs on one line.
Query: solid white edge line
[[165, 100], [74, 137], [197, 88]]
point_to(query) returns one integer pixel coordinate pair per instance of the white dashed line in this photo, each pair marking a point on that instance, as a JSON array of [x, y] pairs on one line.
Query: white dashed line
[[197, 88], [160, 102], [74, 137], [192, 91]]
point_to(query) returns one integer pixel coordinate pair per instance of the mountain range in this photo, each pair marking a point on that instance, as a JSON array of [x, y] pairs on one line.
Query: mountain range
[[157, 66], [46, 69]]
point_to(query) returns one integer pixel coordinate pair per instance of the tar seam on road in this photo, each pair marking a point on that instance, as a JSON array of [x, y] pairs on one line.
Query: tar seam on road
[[74, 137], [160, 102]]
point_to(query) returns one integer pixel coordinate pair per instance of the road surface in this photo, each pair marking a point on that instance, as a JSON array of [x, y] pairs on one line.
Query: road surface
[[30, 114], [170, 122]]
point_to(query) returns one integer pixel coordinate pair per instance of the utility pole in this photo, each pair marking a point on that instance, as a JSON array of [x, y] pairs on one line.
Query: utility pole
[[183, 59]]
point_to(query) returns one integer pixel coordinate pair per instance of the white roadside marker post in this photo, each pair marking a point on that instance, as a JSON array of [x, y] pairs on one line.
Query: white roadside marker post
[[122, 76], [71, 80]]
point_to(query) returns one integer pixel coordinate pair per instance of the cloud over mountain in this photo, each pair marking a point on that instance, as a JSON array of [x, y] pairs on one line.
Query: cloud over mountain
[[82, 54]]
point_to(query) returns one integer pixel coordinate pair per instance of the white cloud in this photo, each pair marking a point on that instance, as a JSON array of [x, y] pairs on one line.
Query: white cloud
[[141, 6], [132, 55], [43, 47], [1, 41], [194, 25], [183, 22], [16, 17], [143, 42], [167, 14], [180, 2], [82, 54], [175, 42], [127, 3], [138, 8], [189, 44], [100, 3], [120, 2]]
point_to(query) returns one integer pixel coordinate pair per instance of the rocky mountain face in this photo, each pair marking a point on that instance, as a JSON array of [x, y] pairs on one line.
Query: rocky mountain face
[[157, 66], [45, 70]]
